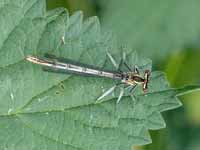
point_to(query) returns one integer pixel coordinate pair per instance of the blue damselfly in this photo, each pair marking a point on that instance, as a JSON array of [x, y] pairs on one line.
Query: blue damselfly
[[132, 78]]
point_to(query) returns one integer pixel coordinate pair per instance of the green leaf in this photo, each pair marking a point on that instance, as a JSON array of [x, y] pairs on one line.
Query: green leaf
[[154, 28], [42, 110]]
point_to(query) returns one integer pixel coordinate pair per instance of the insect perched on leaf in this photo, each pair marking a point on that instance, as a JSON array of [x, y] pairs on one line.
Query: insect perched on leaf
[[131, 79]]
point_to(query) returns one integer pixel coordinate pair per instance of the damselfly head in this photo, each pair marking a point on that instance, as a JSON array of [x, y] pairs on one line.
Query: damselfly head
[[146, 80]]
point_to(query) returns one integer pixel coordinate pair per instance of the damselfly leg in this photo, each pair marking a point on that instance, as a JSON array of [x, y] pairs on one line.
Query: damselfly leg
[[120, 95], [135, 69], [108, 92], [133, 88], [112, 61], [118, 66], [122, 89]]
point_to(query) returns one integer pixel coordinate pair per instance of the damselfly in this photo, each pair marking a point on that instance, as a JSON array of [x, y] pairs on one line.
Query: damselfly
[[131, 79]]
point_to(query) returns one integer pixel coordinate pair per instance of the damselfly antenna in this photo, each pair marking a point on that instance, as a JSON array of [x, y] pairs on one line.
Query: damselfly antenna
[[131, 79]]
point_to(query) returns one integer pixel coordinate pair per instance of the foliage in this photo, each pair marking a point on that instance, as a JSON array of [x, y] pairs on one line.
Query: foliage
[[155, 28], [41, 110]]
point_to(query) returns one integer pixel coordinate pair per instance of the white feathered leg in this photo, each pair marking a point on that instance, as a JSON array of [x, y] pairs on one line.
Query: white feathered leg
[[120, 95], [114, 63], [109, 91]]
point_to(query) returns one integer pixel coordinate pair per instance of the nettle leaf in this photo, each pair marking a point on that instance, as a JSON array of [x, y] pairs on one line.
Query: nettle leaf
[[154, 28], [43, 110]]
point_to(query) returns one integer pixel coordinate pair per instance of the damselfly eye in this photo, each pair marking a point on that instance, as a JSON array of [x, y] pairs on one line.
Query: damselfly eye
[[146, 75], [146, 80], [145, 88], [137, 79]]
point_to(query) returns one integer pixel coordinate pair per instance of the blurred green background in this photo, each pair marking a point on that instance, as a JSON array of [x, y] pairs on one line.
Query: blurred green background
[[167, 31]]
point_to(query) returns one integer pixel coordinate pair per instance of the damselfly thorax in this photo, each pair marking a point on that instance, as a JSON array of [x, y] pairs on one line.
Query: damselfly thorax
[[130, 79]]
